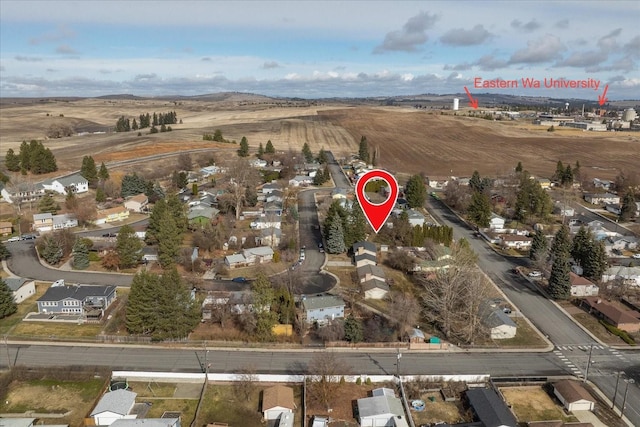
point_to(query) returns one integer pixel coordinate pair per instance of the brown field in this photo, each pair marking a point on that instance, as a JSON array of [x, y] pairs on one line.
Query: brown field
[[409, 140], [533, 404]]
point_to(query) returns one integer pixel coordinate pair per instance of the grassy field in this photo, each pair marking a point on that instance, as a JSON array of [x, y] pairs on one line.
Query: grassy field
[[525, 337], [7, 324], [533, 404], [437, 410]]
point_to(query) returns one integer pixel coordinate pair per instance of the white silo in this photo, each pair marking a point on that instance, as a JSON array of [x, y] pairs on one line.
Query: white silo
[[456, 104], [629, 115]]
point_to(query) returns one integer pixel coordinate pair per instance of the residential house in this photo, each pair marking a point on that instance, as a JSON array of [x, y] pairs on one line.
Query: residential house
[[339, 193], [601, 198], [6, 228], [382, 409], [265, 222], [437, 182], [270, 237], [270, 188], [614, 314], [368, 272], [258, 163], [441, 260], [514, 241], [81, 299], [208, 200], [359, 248], [235, 261], [489, 408], [602, 183], [112, 406], [573, 396], [22, 192], [137, 203], [300, 181], [629, 276], [258, 255], [582, 287], [201, 215], [21, 288], [75, 182], [147, 422], [20, 422], [375, 289], [365, 259], [272, 209], [415, 217], [624, 242], [115, 214], [64, 221], [564, 210], [545, 183], [207, 171], [614, 208], [277, 401], [496, 222], [500, 325], [275, 196], [323, 308], [416, 336], [43, 222]]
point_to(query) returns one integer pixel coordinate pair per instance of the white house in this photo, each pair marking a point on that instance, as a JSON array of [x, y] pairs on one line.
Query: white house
[[515, 241], [265, 222], [415, 217], [270, 237], [383, 408], [496, 222], [628, 275], [573, 396], [64, 221], [300, 180], [601, 198], [368, 272], [137, 203], [365, 259], [235, 261], [581, 287], [76, 182], [259, 255], [21, 288], [375, 289], [500, 324], [258, 163], [207, 171], [323, 308], [113, 406], [277, 401]]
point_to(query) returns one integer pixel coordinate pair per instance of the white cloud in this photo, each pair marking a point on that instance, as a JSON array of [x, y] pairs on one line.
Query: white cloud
[[609, 42], [544, 49], [62, 32], [461, 37], [528, 27], [268, 65], [490, 63], [584, 59], [411, 37], [66, 50]]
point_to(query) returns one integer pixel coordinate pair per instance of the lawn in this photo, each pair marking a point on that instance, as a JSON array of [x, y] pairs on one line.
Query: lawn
[[533, 404], [438, 410], [56, 330], [526, 336], [24, 307], [52, 396], [592, 324]]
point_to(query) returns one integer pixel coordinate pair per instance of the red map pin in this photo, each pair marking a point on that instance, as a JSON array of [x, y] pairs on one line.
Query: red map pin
[[377, 214]]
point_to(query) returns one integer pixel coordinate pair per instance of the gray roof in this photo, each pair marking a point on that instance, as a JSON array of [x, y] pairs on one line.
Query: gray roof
[[74, 179], [63, 218], [370, 269], [202, 211], [15, 283], [375, 283], [379, 405], [145, 422], [80, 292], [41, 216], [271, 231], [235, 258], [259, 251], [490, 409], [497, 318], [366, 255], [16, 422], [117, 401], [323, 301], [412, 213], [366, 245]]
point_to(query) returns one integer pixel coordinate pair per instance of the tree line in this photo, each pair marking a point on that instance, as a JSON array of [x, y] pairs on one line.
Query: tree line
[[33, 157], [145, 120]]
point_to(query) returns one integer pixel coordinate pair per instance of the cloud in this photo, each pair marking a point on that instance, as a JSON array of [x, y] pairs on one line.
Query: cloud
[[633, 47], [62, 32], [27, 58], [461, 37], [626, 63], [206, 59], [584, 59], [268, 65], [609, 41], [412, 35], [490, 63], [529, 27], [145, 77], [66, 50], [458, 67], [545, 49], [2, 68], [51, 70], [562, 24]]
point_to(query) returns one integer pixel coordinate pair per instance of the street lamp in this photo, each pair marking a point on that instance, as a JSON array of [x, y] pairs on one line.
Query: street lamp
[[624, 399], [615, 392], [398, 356]]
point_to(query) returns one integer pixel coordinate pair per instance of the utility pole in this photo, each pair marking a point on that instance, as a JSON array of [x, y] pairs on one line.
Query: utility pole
[[586, 371], [398, 356], [624, 399], [615, 392]]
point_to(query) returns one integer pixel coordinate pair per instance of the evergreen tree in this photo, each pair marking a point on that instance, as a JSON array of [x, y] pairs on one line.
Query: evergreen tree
[[560, 170], [263, 298], [363, 150], [628, 208], [89, 171], [132, 185], [415, 192], [335, 239], [567, 176], [356, 226], [479, 210], [559, 280], [12, 161], [103, 173], [25, 156], [179, 179], [217, 136], [306, 152], [260, 151], [269, 149], [4, 252], [128, 247], [322, 156], [47, 204], [134, 125], [243, 151], [353, 330], [143, 304], [80, 255], [169, 240], [8, 304], [519, 167], [561, 245], [153, 228], [178, 213], [475, 183], [581, 245], [595, 263], [539, 246], [51, 250], [178, 312], [100, 196]]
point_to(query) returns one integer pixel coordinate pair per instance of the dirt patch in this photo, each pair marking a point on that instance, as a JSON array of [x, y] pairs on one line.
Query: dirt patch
[[344, 401], [436, 410], [532, 404]]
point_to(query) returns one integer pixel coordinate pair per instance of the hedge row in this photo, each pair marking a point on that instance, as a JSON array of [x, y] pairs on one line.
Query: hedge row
[[618, 332]]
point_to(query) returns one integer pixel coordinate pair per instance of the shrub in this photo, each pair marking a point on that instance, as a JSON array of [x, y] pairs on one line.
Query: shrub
[[368, 381], [618, 332], [359, 381]]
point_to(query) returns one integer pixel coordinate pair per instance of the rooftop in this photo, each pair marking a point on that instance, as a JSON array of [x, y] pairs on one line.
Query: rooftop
[[490, 409], [80, 292], [278, 396], [322, 301], [117, 401], [571, 391]]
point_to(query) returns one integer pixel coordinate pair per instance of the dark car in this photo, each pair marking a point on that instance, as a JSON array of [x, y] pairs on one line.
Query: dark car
[[28, 237], [109, 235], [239, 279]]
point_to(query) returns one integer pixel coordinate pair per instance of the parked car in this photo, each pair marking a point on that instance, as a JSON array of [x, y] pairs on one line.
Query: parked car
[[636, 256], [28, 237], [239, 279], [13, 239], [109, 235], [535, 274]]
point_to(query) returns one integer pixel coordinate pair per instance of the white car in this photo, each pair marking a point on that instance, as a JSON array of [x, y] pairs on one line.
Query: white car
[[535, 274], [636, 256], [13, 239]]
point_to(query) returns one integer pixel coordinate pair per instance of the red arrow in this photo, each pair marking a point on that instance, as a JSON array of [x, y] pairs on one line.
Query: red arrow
[[602, 99], [472, 102]]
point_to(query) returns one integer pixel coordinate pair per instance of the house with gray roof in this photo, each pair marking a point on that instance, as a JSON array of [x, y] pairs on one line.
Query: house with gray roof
[[16, 422], [270, 237], [489, 409], [359, 248], [500, 325], [147, 422], [235, 261], [112, 406], [21, 288], [75, 182], [368, 272], [323, 308], [365, 259], [415, 217], [383, 408], [81, 299], [375, 289]]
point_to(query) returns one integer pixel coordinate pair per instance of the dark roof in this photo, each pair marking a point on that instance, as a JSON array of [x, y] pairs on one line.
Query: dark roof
[[80, 292], [15, 283], [490, 409], [572, 391], [366, 255], [366, 245], [374, 270]]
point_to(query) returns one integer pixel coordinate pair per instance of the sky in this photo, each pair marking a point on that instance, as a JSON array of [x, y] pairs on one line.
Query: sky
[[317, 49]]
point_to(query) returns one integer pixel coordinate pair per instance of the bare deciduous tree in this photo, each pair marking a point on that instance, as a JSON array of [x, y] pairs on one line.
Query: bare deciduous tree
[[325, 370], [246, 380], [238, 177], [184, 162], [405, 312]]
